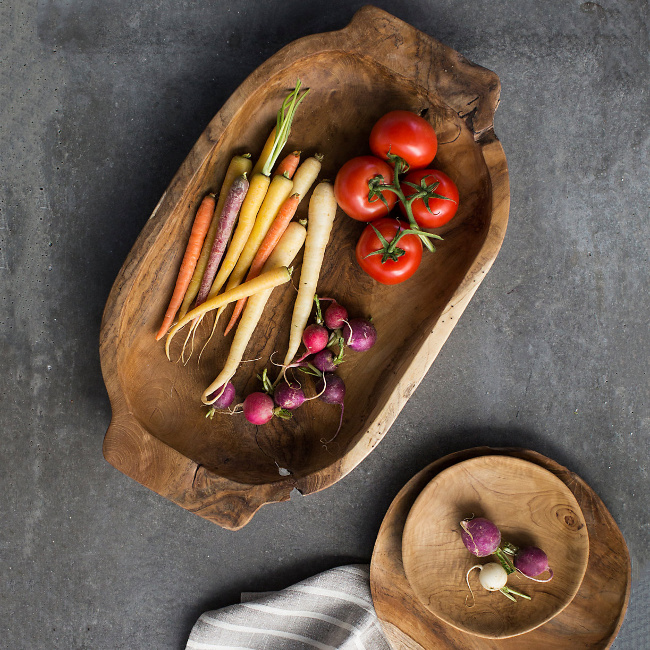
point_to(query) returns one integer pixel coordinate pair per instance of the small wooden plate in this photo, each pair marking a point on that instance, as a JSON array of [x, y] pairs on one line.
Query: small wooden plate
[[591, 620], [530, 506], [225, 469]]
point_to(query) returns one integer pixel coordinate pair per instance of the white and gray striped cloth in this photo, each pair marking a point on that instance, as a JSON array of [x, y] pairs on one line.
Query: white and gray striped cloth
[[331, 611]]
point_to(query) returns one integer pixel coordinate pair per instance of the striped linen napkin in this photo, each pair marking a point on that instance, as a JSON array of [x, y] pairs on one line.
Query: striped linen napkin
[[331, 611]]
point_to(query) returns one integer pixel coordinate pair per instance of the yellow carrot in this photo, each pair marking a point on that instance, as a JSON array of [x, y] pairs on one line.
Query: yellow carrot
[[264, 281], [306, 175], [279, 190], [238, 165], [288, 247], [266, 152], [322, 210]]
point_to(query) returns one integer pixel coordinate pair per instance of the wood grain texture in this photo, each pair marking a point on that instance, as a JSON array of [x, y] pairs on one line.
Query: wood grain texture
[[531, 507], [591, 620], [225, 469]]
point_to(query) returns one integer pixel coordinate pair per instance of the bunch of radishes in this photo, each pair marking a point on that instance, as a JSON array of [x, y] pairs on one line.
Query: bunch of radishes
[[325, 341], [482, 538]]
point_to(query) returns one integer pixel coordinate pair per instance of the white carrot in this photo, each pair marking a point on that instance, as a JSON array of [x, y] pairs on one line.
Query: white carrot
[[322, 210], [271, 278], [287, 248], [306, 175]]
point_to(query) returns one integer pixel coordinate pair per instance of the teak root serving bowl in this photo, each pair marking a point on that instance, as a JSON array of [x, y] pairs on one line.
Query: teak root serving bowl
[[225, 469]]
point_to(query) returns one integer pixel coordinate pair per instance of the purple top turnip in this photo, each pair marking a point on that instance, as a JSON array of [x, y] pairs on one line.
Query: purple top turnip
[[531, 561], [335, 316], [289, 396], [258, 408], [359, 334], [480, 536]]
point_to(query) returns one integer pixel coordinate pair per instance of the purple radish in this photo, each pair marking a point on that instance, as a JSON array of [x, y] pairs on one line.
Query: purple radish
[[331, 390], [531, 561], [324, 360], [258, 408], [480, 536], [335, 316], [223, 399], [359, 334], [289, 396]]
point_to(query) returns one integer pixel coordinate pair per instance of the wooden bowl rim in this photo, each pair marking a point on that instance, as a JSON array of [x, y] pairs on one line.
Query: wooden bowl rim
[[135, 451]]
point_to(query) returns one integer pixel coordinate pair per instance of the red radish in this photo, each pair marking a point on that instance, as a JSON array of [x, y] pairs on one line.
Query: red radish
[[289, 396], [227, 219], [225, 396], [331, 390], [335, 316], [359, 334], [315, 338], [480, 536], [532, 562], [258, 408]]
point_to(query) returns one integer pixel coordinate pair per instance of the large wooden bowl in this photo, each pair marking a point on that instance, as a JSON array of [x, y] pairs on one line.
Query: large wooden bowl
[[531, 506], [225, 469]]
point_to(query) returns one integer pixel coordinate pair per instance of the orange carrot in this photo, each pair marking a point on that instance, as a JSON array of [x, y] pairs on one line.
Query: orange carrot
[[192, 252], [288, 165], [279, 225]]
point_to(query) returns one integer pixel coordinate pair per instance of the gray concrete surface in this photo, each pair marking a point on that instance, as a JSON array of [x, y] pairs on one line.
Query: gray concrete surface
[[101, 102]]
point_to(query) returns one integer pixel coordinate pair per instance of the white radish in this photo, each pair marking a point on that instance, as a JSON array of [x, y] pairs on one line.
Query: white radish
[[306, 175], [322, 210], [287, 248], [493, 577]]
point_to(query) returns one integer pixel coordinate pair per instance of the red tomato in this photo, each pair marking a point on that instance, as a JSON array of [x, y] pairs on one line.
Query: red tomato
[[406, 135], [351, 188], [441, 210], [390, 272]]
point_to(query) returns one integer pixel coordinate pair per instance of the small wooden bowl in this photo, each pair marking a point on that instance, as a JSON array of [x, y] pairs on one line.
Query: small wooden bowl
[[225, 469], [531, 506]]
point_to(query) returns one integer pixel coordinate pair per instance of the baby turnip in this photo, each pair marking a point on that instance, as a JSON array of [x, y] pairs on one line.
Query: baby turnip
[[289, 396], [531, 561], [335, 316], [258, 408], [480, 536], [493, 577], [331, 390], [359, 334]]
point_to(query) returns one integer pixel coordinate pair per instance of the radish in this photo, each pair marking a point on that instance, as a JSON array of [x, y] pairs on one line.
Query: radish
[[289, 396], [315, 338], [359, 334], [258, 408], [331, 390], [480, 536], [326, 361], [531, 561], [493, 577], [335, 316], [223, 396]]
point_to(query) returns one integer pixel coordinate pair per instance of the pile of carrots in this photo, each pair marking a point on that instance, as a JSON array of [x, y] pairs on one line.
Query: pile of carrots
[[245, 241]]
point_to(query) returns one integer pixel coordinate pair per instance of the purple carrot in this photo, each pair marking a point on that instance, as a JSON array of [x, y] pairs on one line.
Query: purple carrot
[[227, 220]]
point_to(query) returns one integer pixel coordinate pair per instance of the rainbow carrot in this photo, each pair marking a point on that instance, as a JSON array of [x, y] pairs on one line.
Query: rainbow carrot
[[190, 258], [277, 229], [288, 165]]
